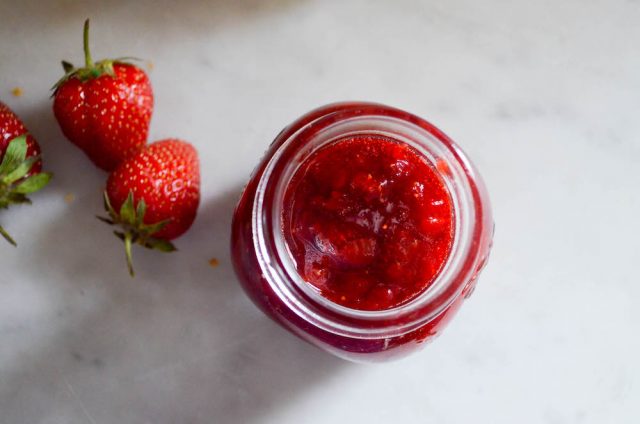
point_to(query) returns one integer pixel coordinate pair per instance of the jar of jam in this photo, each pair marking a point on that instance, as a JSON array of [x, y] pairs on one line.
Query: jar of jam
[[362, 230]]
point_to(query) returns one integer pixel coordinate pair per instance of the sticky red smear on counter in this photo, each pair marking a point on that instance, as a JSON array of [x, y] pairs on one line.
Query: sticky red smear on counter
[[368, 222]]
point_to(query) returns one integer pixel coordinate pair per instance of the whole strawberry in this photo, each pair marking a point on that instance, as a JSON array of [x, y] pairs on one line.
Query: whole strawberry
[[104, 108], [20, 163], [154, 195]]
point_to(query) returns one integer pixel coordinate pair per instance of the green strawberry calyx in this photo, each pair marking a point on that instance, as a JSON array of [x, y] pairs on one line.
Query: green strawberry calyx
[[15, 181], [133, 230], [91, 69]]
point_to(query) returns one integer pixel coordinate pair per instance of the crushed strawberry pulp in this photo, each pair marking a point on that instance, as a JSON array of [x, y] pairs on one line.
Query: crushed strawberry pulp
[[368, 222]]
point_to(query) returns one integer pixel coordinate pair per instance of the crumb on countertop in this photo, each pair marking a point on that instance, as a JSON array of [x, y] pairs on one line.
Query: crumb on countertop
[[17, 92], [69, 198], [214, 262], [150, 65]]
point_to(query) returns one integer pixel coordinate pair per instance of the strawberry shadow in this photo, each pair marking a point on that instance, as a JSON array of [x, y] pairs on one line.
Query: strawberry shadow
[[74, 174], [179, 343]]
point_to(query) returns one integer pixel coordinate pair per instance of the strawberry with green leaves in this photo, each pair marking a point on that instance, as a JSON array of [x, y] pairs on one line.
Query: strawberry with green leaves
[[154, 196], [104, 108], [20, 164]]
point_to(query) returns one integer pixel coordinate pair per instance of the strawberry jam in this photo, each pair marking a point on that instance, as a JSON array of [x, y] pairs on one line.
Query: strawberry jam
[[368, 222]]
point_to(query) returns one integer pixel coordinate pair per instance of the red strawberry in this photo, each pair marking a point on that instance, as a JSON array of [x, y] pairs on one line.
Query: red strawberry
[[104, 108], [154, 195], [20, 163]]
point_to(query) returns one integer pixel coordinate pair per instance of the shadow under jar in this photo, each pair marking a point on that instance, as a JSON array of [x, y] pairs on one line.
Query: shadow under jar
[[362, 230]]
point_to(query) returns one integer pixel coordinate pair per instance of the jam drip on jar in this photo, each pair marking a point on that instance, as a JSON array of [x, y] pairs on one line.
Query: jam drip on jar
[[368, 222]]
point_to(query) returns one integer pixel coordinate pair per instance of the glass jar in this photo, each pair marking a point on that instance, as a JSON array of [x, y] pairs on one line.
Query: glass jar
[[268, 273]]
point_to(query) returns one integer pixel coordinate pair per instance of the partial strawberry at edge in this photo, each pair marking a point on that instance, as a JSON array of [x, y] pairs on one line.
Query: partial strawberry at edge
[[104, 108], [154, 195], [11, 127], [20, 164]]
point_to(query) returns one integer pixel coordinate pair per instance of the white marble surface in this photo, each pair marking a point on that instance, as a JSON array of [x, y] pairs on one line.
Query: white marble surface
[[544, 96]]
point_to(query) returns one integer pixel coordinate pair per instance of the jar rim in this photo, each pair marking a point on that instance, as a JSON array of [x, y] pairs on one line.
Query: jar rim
[[321, 127]]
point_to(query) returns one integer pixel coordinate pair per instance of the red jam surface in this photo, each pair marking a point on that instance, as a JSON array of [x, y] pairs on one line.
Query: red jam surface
[[368, 222]]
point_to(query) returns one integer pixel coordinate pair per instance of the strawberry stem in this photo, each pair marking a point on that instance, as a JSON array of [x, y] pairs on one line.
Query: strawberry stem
[[87, 52], [91, 69], [133, 229], [7, 237], [128, 238]]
